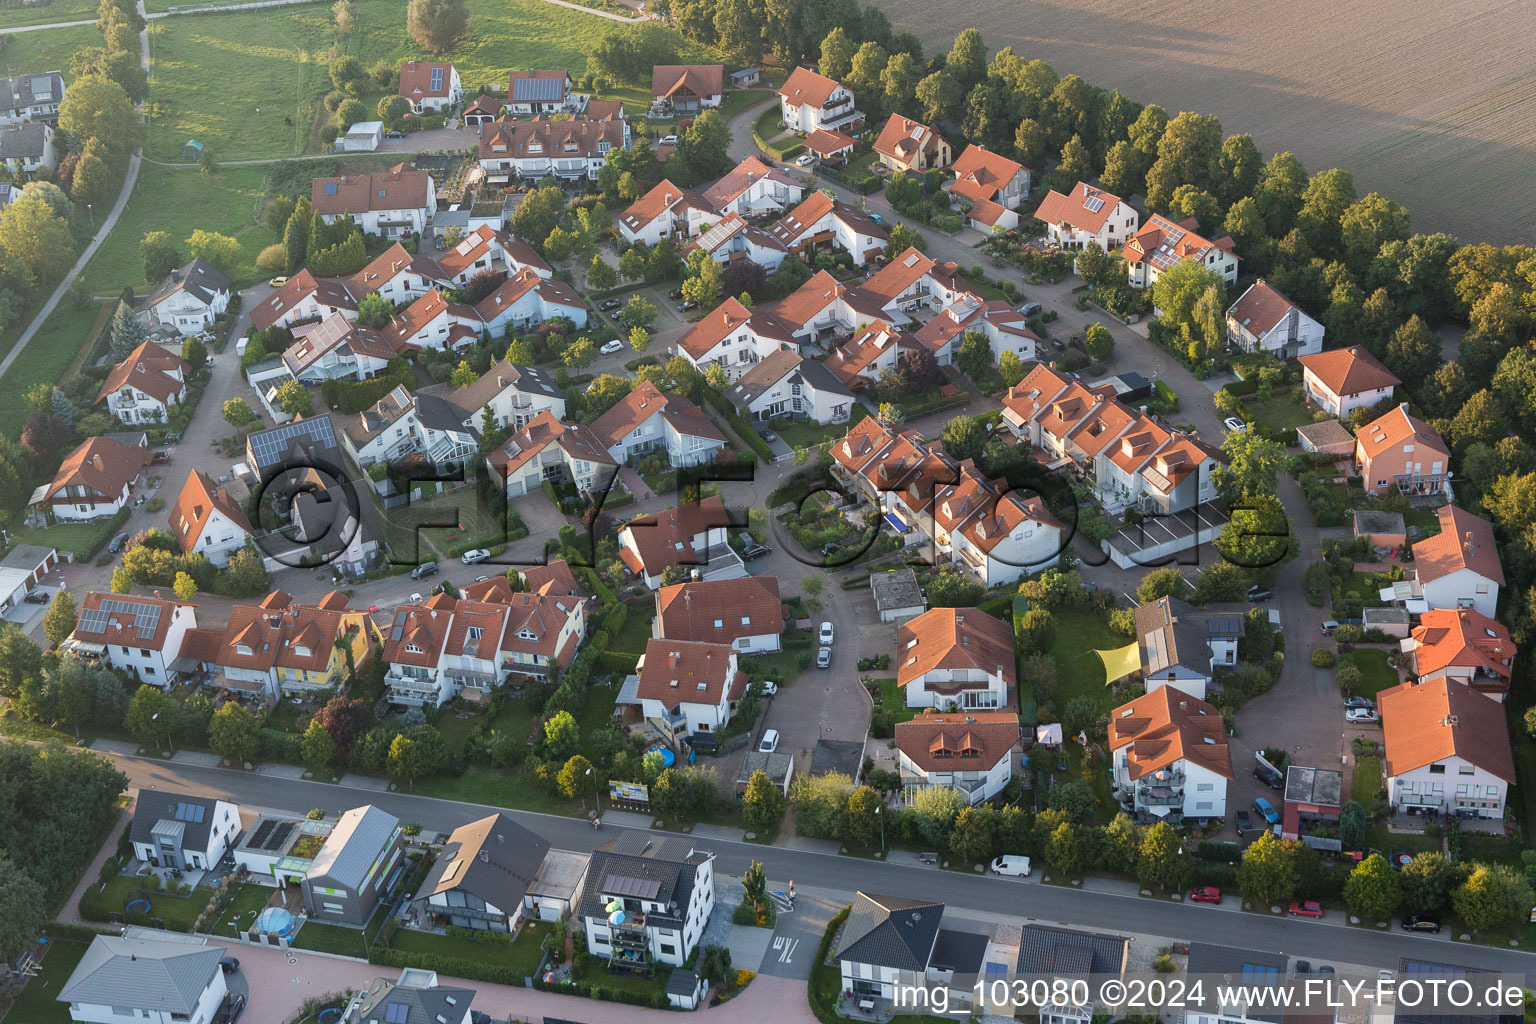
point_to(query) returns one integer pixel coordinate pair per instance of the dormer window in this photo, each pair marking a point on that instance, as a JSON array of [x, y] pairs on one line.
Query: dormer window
[[474, 632], [413, 649]]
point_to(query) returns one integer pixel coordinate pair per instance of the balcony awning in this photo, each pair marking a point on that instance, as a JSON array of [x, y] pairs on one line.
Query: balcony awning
[[897, 524]]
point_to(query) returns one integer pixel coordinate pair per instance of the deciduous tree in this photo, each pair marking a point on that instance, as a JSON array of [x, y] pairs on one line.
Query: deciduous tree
[[1373, 890], [437, 24]]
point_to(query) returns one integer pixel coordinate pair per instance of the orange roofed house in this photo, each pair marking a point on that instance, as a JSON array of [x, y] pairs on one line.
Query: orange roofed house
[[1161, 244], [1459, 567], [1342, 380], [692, 536], [397, 203], [1399, 450], [1263, 320], [907, 145], [1447, 750], [95, 480], [649, 419], [993, 185], [1087, 214], [429, 85], [1169, 757], [1463, 646], [689, 689], [143, 387], [955, 657], [206, 520], [571, 150], [281, 647], [970, 753], [745, 614], [687, 88], [134, 633], [808, 101]]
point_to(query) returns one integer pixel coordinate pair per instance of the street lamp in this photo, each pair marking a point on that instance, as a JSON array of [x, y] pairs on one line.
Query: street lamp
[[881, 818], [597, 807], [155, 718], [91, 210]]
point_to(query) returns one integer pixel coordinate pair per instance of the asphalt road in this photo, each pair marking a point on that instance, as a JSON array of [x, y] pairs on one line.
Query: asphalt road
[[1327, 940]]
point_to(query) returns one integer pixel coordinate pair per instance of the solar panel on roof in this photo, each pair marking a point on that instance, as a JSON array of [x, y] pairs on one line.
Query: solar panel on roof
[[1093, 204], [259, 837], [396, 1013], [189, 812], [625, 885], [537, 90], [281, 830], [271, 446]]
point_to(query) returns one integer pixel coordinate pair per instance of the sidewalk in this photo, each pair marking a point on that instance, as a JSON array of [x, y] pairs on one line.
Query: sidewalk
[[71, 912]]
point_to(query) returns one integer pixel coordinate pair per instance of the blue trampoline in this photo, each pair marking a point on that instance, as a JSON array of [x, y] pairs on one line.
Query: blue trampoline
[[330, 1016], [276, 921], [138, 906]]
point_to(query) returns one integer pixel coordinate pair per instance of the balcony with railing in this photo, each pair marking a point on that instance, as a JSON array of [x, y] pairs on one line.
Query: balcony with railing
[[407, 690]]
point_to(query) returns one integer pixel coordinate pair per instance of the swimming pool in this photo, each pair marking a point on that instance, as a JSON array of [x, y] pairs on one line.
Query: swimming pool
[[277, 921]]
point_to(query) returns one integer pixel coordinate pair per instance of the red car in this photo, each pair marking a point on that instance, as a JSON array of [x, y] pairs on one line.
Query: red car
[[1205, 894], [1305, 908]]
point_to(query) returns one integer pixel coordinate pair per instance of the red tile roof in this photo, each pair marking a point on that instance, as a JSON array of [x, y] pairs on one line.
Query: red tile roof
[[1396, 428], [1462, 638], [740, 178], [148, 368], [703, 80], [1072, 209], [416, 79], [1465, 541], [645, 401], [1167, 726], [720, 611], [825, 142], [981, 174], [505, 139], [678, 671], [402, 187], [327, 291], [1181, 241], [1429, 722], [664, 538], [279, 633], [961, 741], [102, 464], [729, 317], [949, 638], [805, 87], [1260, 308], [121, 626], [200, 497], [903, 138], [1349, 371]]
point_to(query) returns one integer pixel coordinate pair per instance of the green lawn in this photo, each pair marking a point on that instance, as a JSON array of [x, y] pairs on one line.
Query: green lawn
[[452, 947], [48, 357], [894, 700], [636, 631], [179, 913], [1525, 772], [782, 666], [80, 538], [526, 952], [50, 50], [243, 908], [178, 202], [279, 59], [1379, 676], [810, 433], [1367, 782], [412, 533], [1281, 413], [39, 1002], [330, 938], [54, 11], [1079, 672]]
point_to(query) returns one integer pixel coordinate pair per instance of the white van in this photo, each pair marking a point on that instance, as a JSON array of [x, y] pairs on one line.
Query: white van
[[1008, 864]]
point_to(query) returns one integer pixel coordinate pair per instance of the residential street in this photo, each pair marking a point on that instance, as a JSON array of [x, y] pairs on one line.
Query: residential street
[[1327, 940]]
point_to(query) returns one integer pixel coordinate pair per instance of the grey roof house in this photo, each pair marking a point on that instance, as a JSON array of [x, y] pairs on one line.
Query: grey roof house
[[1182, 645], [182, 830], [355, 868], [160, 981], [191, 297], [646, 900], [28, 147], [481, 877], [1246, 967], [886, 943], [31, 97], [416, 998]]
